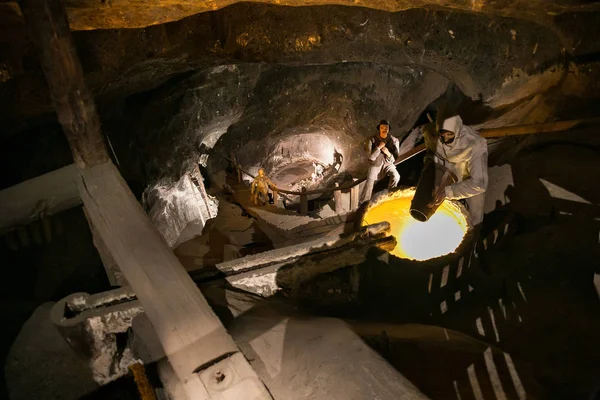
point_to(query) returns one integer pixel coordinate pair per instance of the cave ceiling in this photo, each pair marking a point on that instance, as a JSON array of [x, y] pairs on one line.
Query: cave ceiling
[[475, 50], [117, 14], [183, 73]]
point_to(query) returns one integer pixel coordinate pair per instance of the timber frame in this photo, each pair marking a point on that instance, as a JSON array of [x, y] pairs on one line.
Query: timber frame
[[197, 345]]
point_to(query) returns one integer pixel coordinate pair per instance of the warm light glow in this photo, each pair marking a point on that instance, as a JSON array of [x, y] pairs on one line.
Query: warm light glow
[[440, 235]]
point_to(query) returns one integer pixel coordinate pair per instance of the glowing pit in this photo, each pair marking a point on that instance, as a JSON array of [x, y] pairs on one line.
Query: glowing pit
[[441, 235]]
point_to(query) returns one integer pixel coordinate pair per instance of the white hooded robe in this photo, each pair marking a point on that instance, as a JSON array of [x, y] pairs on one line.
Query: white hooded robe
[[466, 157]]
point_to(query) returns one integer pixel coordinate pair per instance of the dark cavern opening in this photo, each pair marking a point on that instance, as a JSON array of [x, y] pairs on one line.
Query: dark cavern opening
[[300, 200]]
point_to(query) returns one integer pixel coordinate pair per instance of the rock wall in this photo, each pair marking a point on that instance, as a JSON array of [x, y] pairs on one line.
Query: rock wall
[[173, 207]]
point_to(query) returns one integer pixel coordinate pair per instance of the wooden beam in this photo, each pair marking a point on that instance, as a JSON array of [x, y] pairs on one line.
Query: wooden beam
[[191, 335], [49, 30], [303, 201], [546, 127], [516, 130], [202, 354], [36, 198], [337, 200], [113, 272], [290, 267], [354, 196]]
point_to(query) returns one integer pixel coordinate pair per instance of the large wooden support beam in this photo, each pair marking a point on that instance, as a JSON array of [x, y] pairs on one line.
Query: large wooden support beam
[[516, 130], [303, 201], [36, 198], [191, 335], [290, 267], [49, 30], [202, 354], [530, 129]]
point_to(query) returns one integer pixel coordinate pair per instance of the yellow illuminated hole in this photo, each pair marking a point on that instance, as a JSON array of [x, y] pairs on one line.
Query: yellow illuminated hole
[[440, 235]]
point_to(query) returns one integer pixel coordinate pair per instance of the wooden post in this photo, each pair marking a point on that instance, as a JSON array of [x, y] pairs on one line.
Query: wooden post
[[197, 345], [354, 193], [207, 362], [337, 200], [536, 128], [49, 30], [44, 195], [238, 171], [303, 201]]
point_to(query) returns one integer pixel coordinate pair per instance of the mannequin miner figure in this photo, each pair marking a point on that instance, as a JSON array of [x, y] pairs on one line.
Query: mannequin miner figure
[[463, 152], [259, 188], [382, 150]]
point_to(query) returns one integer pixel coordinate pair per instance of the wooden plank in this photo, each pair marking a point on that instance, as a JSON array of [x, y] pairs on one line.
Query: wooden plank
[[190, 333], [329, 221], [113, 272], [546, 127], [303, 201], [337, 200], [514, 131], [378, 230], [44, 195], [192, 336], [288, 268], [74, 104], [291, 274], [354, 196]]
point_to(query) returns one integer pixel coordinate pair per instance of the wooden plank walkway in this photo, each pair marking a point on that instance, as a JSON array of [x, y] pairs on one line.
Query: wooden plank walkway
[[285, 227]]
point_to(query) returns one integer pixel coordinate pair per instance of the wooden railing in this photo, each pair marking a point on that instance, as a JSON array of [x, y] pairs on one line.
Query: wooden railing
[[353, 187], [337, 190]]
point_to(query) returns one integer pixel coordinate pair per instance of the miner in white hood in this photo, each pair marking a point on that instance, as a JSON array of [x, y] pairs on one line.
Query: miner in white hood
[[462, 151]]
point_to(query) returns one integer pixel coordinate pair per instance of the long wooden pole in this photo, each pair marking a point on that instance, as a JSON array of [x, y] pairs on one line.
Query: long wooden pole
[[197, 345], [546, 127], [49, 30], [41, 196], [516, 130], [204, 357]]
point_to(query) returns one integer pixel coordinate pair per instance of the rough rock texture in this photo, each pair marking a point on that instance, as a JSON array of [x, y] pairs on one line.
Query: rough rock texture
[[42, 365], [249, 76], [89, 14], [305, 113], [476, 51], [280, 84], [581, 30], [173, 207], [179, 121]]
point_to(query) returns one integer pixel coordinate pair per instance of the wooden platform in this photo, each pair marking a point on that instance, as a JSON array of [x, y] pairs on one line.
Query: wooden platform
[[285, 227]]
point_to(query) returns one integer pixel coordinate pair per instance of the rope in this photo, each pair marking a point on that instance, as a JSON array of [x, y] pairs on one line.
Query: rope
[[143, 385]]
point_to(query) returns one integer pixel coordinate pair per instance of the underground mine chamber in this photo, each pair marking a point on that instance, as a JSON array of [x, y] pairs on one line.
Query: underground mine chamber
[[456, 311]]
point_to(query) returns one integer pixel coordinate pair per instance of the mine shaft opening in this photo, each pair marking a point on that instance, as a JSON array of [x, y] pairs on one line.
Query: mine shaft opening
[[440, 235]]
